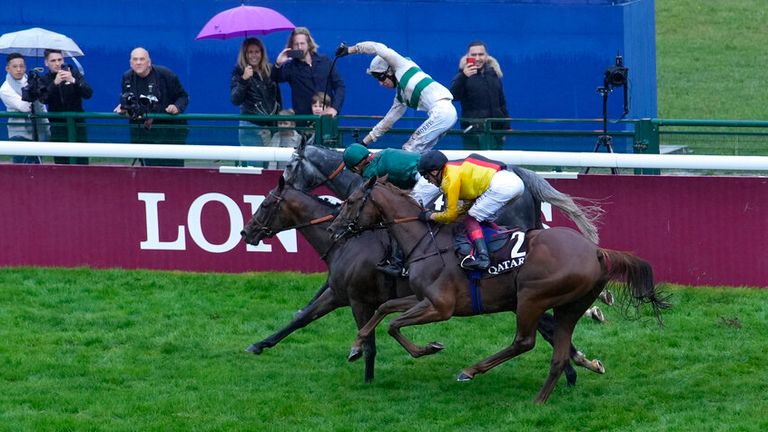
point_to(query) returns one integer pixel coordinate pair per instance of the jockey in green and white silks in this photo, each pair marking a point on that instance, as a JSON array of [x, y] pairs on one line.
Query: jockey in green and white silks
[[414, 89]]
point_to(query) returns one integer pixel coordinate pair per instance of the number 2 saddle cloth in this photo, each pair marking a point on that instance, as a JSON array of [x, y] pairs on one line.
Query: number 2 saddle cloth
[[507, 248]]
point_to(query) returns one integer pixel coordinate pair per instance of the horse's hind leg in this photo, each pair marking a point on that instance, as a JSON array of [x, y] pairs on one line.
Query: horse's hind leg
[[566, 321], [566, 317], [323, 304], [546, 329], [525, 340]]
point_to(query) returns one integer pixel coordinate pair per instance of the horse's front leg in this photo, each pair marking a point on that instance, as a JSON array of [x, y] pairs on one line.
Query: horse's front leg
[[394, 305], [322, 305], [422, 313]]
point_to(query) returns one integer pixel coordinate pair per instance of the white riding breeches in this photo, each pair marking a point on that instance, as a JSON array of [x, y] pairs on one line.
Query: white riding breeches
[[424, 192], [505, 186], [442, 117]]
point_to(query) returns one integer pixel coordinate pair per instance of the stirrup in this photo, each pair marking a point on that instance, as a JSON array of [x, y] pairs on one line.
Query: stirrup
[[392, 269], [469, 262]]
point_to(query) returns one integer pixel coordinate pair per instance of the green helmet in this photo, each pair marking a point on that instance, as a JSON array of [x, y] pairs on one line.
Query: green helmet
[[354, 154]]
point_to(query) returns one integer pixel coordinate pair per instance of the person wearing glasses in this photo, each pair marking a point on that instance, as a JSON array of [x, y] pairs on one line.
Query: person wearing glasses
[[413, 89]]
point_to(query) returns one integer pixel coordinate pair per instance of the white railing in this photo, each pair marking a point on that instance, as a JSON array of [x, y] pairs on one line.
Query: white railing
[[280, 154]]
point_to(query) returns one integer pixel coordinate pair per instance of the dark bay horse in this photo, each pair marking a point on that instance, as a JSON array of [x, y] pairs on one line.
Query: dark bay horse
[[352, 276], [563, 271]]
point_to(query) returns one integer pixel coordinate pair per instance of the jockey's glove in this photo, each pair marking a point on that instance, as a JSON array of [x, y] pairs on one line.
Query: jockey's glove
[[425, 216], [342, 50]]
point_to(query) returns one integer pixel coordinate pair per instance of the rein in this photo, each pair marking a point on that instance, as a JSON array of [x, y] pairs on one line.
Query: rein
[[354, 228]]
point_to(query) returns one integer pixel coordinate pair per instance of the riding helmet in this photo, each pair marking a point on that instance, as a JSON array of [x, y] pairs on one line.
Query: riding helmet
[[431, 160], [380, 69], [354, 154]]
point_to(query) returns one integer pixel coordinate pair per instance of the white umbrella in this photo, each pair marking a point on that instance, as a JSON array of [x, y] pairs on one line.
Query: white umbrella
[[33, 42]]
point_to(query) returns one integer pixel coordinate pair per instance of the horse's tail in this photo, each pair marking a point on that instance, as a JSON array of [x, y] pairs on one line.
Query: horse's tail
[[637, 274], [584, 216]]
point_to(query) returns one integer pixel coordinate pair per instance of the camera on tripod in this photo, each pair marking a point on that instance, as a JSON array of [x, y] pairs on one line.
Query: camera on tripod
[[616, 76], [35, 89], [137, 106]]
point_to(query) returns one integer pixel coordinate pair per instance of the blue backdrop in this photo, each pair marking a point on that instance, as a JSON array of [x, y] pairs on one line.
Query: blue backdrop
[[553, 52]]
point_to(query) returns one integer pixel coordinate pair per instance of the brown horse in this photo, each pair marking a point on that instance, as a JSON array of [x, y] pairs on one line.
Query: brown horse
[[563, 271], [353, 279]]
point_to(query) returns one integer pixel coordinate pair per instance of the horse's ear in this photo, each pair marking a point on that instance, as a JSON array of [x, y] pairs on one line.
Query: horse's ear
[[384, 179], [371, 182]]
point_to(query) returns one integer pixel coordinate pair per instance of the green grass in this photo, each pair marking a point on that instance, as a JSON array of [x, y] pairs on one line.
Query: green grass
[[710, 59], [136, 350]]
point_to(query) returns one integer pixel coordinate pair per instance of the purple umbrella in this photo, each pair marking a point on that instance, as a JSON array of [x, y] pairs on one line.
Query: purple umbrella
[[244, 21]]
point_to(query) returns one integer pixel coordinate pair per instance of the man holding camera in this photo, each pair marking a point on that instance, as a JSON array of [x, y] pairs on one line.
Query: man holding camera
[[308, 73], [65, 91], [477, 86], [149, 88], [12, 92]]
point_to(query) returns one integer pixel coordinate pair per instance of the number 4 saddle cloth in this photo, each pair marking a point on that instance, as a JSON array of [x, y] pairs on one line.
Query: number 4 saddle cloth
[[507, 247]]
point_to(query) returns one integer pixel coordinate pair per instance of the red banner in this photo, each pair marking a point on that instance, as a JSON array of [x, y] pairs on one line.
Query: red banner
[[693, 230]]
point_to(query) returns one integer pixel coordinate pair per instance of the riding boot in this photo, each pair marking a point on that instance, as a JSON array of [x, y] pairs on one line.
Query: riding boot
[[394, 265], [479, 260]]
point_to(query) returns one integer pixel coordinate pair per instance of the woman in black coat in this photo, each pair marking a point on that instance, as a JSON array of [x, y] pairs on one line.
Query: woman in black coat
[[254, 92]]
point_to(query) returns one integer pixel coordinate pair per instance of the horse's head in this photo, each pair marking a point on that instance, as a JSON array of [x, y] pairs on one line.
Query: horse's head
[[267, 221], [313, 166], [368, 206]]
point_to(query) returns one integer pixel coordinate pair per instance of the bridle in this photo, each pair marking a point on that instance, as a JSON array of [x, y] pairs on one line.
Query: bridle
[[354, 228], [267, 232]]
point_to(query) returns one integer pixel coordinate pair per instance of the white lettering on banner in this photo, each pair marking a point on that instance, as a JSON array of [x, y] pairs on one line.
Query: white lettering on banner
[[194, 221], [153, 228], [546, 209]]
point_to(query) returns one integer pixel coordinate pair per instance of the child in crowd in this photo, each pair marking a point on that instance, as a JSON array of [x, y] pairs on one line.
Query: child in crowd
[[320, 103], [286, 136]]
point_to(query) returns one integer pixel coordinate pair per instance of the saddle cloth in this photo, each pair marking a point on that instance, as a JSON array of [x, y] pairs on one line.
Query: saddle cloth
[[507, 248]]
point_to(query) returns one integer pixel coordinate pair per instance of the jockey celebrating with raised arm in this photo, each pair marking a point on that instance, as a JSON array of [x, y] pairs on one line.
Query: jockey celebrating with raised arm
[[414, 89], [478, 179]]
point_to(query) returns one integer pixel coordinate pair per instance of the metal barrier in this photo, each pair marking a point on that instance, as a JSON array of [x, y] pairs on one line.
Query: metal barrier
[[644, 136]]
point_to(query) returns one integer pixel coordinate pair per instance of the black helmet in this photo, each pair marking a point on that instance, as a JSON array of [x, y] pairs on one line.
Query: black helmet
[[431, 160]]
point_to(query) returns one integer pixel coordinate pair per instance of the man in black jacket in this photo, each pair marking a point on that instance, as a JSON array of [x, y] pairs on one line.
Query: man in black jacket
[[478, 88], [65, 90], [149, 88]]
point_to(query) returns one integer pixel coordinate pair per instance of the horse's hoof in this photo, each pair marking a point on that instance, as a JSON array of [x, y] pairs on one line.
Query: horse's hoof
[[598, 367], [434, 347], [463, 377], [596, 314], [255, 349], [606, 297], [354, 354]]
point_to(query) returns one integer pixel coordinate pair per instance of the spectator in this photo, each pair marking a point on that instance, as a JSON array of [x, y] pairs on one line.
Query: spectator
[[320, 101], [477, 86], [155, 89], [65, 90], [254, 91], [286, 136], [414, 89], [21, 129], [308, 73]]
